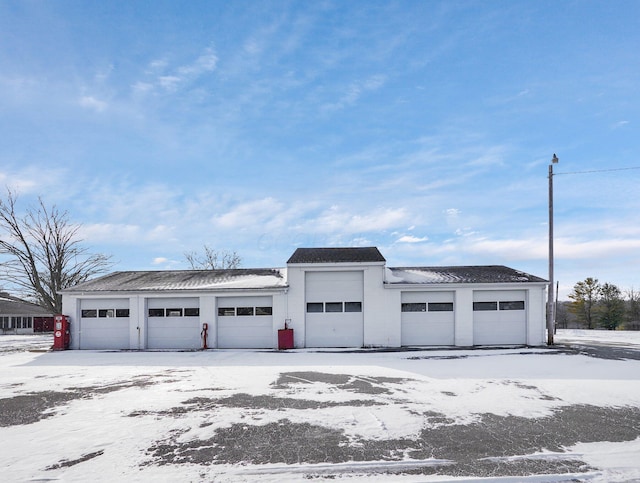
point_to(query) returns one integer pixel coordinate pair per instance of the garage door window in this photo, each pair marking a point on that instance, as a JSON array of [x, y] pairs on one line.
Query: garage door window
[[156, 312], [89, 313], [122, 312], [484, 306], [414, 307], [192, 312], [226, 311], [440, 306], [106, 313], [315, 307], [264, 311], [513, 305], [244, 311], [333, 307], [353, 306]]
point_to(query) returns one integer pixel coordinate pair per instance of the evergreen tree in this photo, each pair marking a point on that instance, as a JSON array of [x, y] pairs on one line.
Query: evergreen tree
[[585, 297], [610, 306]]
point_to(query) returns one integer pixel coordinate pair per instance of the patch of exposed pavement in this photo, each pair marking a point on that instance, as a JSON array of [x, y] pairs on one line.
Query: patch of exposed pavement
[[32, 407], [346, 382], [491, 446], [483, 448], [68, 463]]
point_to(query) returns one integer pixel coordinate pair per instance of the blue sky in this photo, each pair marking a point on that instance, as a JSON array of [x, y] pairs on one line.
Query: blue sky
[[422, 127]]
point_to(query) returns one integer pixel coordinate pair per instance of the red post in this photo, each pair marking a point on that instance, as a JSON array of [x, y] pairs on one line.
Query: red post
[[205, 328]]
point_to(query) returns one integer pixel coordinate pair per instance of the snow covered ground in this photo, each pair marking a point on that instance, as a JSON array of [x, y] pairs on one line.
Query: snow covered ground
[[429, 415]]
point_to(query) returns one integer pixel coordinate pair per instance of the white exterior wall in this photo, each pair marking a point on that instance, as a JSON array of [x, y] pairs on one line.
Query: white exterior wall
[[463, 307], [138, 309], [536, 315], [381, 307], [295, 305], [381, 325]]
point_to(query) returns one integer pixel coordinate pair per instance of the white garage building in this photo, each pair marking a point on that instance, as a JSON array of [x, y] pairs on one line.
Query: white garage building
[[330, 297]]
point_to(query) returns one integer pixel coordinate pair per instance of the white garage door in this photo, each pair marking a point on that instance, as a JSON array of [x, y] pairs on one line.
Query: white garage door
[[173, 323], [334, 309], [104, 324], [245, 323], [427, 318], [499, 317]]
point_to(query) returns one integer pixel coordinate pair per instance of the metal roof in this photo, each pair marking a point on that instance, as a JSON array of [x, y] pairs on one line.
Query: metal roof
[[468, 274], [233, 279], [16, 307], [336, 255]]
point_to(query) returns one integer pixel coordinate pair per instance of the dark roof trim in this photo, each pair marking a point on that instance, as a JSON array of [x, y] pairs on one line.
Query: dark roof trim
[[337, 255]]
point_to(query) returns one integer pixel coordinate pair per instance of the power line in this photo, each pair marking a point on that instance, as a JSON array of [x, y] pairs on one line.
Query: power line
[[597, 171]]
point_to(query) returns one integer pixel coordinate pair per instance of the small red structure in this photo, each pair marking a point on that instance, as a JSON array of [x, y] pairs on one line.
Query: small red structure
[[61, 332], [203, 334], [285, 338]]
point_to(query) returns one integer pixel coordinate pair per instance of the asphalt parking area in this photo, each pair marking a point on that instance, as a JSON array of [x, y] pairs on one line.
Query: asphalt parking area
[[288, 423], [485, 448]]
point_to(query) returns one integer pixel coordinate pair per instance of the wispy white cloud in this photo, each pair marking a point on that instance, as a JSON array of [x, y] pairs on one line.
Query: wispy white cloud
[[355, 91], [338, 219], [93, 103], [162, 76], [250, 214], [412, 239], [619, 124]]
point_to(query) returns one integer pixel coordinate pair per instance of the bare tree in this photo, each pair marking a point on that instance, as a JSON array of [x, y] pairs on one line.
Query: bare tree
[[633, 310], [42, 253], [212, 259]]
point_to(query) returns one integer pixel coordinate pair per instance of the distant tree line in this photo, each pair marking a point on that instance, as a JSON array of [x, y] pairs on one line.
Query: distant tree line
[[596, 305]]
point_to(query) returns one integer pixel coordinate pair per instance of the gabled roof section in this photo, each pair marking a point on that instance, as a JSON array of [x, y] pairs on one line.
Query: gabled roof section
[[336, 255], [469, 274], [187, 280], [10, 306]]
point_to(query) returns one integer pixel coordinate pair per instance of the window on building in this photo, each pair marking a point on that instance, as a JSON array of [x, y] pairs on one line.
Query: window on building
[[192, 312], [226, 311], [333, 307], [512, 305], [484, 306], [106, 313], [5, 322], [174, 312], [244, 311], [414, 307], [440, 306], [264, 310], [315, 307], [89, 313], [353, 306], [156, 312], [122, 312]]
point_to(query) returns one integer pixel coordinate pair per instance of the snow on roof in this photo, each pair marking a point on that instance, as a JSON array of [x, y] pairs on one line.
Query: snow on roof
[[233, 279], [336, 255], [468, 274]]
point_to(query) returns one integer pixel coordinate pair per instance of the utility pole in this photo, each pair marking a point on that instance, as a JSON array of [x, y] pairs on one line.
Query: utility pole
[[551, 299]]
